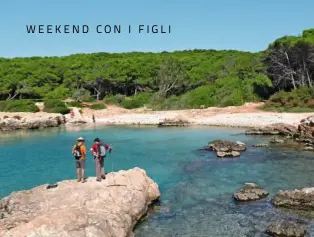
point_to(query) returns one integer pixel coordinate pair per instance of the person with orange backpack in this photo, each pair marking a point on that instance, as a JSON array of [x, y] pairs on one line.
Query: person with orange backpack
[[79, 153]]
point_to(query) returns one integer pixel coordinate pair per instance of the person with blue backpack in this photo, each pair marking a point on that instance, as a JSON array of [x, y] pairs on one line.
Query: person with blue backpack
[[99, 152]]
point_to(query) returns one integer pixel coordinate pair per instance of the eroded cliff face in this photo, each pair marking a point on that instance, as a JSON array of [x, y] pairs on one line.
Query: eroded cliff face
[[108, 208]]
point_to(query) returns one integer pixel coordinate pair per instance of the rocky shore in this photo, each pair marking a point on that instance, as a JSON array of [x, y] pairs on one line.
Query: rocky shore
[[246, 116], [108, 208], [15, 121]]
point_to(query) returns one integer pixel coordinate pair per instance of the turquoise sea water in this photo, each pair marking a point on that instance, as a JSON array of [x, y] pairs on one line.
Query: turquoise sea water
[[196, 186]]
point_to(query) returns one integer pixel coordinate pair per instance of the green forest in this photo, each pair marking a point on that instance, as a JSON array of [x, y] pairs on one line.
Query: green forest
[[282, 74]]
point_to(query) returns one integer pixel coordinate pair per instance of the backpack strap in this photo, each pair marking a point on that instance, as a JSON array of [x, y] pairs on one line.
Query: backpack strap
[[98, 150], [78, 148]]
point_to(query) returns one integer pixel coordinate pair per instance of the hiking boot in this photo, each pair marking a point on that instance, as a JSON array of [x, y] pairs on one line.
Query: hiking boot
[[83, 180], [103, 176], [98, 180], [78, 180]]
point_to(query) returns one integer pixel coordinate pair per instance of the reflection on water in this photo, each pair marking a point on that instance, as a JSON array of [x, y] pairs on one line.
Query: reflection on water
[[196, 186]]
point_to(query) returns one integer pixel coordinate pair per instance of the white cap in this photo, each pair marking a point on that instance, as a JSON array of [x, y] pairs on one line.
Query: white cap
[[81, 139]]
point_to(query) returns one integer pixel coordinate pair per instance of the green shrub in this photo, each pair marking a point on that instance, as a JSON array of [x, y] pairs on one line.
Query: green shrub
[[75, 104], [298, 100], [98, 106], [81, 94], [18, 106], [203, 95], [171, 103], [114, 99], [89, 99], [60, 93], [137, 101], [55, 106]]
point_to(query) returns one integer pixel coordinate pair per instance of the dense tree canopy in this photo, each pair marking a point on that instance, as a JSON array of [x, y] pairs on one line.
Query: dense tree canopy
[[190, 78], [290, 61]]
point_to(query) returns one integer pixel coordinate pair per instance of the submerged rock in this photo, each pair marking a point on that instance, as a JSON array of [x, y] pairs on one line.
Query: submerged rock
[[195, 166], [308, 148], [250, 192], [286, 229], [222, 154], [295, 199], [260, 145], [227, 148], [278, 141], [108, 208], [274, 129]]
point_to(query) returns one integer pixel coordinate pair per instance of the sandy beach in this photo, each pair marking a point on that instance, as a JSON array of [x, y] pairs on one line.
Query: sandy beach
[[248, 116]]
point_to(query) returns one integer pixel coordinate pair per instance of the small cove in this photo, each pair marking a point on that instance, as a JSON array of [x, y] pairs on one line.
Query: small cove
[[196, 187]]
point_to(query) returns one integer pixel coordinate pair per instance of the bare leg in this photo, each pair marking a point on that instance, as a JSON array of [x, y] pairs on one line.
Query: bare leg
[[78, 174], [98, 169], [103, 174], [83, 175]]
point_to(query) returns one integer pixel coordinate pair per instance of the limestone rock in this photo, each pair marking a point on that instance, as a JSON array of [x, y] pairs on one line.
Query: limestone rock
[[108, 208], [250, 192], [308, 148], [286, 229], [277, 141], [295, 199], [274, 129], [222, 154], [226, 148], [306, 127], [173, 123], [17, 122]]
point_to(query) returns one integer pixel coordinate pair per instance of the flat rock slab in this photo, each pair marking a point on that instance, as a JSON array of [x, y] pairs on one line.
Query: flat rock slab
[[173, 123], [295, 199], [274, 129], [250, 192], [108, 208], [286, 229]]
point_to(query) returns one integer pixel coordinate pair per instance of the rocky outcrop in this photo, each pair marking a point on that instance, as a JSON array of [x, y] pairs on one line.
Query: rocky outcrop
[[75, 117], [306, 127], [308, 148], [173, 123], [108, 208], [286, 229], [295, 199], [250, 192], [274, 129], [226, 148], [8, 123]]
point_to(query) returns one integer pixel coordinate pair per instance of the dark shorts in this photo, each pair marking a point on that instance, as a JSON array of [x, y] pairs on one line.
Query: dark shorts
[[80, 164]]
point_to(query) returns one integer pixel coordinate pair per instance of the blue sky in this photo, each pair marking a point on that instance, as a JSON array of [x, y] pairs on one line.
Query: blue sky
[[203, 24]]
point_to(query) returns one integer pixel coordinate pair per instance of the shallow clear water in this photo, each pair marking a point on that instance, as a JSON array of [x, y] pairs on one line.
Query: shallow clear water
[[196, 186]]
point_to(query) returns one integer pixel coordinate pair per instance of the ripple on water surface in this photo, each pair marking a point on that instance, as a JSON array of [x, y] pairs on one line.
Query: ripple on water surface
[[196, 187]]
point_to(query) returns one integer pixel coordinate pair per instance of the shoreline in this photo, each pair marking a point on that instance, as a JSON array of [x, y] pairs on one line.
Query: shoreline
[[246, 116]]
